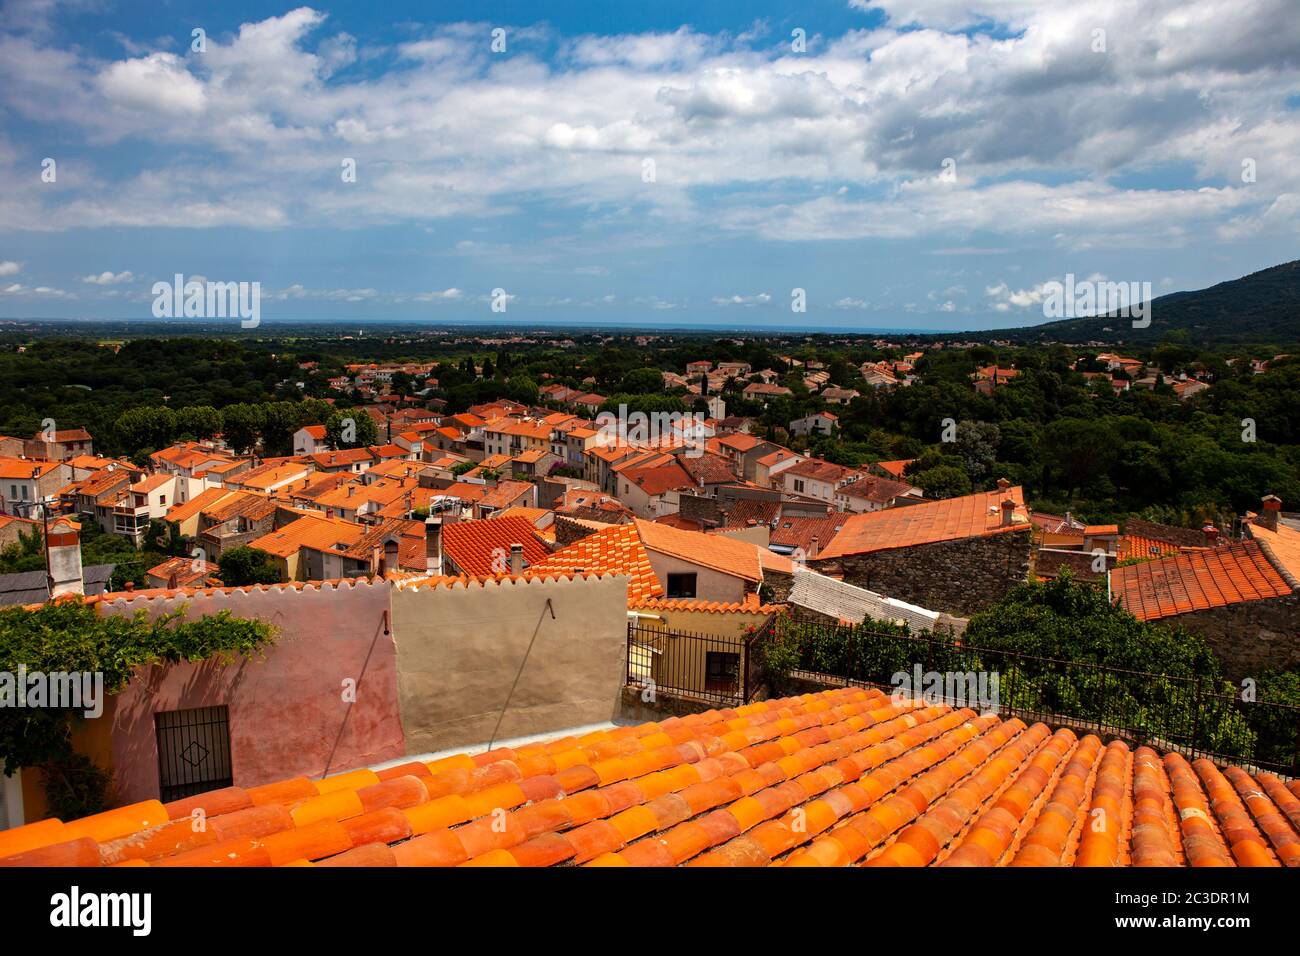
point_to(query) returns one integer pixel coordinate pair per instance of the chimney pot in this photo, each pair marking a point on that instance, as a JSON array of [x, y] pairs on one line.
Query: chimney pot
[[516, 558], [1003, 484], [433, 544], [1008, 511], [1272, 507]]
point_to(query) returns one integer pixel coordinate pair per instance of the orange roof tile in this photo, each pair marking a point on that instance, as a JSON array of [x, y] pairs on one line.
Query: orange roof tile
[[728, 555], [845, 777], [1197, 581], [483, 547], [616, 549], [310, 531], [947, 520]]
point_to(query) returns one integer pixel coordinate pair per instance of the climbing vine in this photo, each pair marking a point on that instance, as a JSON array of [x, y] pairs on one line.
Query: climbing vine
[[68, 637]]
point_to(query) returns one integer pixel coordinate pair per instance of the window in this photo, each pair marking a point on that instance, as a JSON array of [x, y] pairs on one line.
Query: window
[[681, 585], [193, 751], [798, 485], [162, 499], [722, 671]]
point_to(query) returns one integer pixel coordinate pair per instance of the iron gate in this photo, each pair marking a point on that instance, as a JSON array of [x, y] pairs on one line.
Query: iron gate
[[193, 751]]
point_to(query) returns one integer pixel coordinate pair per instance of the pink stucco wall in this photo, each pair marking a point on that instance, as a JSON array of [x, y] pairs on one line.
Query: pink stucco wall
[[287, 710]]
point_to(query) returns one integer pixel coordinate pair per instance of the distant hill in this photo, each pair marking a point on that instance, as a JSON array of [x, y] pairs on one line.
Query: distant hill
[[1262, 307]]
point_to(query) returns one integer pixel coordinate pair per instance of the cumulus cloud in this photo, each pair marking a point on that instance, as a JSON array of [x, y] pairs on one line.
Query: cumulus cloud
[[9, 268], [108, 278], [1041, 129]]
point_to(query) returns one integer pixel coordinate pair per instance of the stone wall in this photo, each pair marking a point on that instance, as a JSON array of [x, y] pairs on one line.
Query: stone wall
[[959, 577], [1251, 637]]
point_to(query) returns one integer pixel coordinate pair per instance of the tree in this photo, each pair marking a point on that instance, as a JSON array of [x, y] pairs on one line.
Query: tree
[[242, 425], [146, 428], [945, 481], [243, 565], [1078, 450], [198, 421], [351, 429], [977, 444]]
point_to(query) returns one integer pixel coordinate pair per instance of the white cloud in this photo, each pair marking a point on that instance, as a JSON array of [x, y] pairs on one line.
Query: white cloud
[[108, 278], [1037, 123], [762, 298], [9, 268]]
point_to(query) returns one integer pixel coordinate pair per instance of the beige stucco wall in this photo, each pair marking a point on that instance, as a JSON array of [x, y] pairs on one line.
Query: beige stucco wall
[[710, 585], [459, 649]]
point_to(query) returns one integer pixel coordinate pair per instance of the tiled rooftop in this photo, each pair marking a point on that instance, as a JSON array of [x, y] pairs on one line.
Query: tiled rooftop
[[616, 549], [1197, 581], [483, 547], [844, 777], [947, 520]]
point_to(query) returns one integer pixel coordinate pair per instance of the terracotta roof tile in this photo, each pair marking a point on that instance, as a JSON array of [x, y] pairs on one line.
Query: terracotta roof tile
[[616, 549], [840, 778], [947, 520], [483, 547], [1197, 581]]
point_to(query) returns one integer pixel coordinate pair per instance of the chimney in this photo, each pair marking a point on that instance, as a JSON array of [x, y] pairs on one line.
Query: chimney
[[516, 558], [1003, 484], [1268, 516], [1008, 511], [351, 488], [1211, 535], [813, 547], [433, 544], [63, 557]]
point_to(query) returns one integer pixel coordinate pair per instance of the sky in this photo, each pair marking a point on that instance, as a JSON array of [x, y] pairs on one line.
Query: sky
[[928, 164]]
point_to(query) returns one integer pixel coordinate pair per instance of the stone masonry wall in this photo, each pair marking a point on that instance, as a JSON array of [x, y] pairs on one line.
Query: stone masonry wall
[[1251, 637], [959, 577]]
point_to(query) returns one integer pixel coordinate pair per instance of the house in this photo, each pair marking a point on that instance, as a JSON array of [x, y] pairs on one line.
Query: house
[[763, 392], [815, 478], [956, 555], [589, 402], [144, 501], [699, 367], [872, 493], [818, 423], [180, 573], [988, 378], [505, 494], [652, 490], [1240, 597], [840, 396], [28, 487], [309, 440], [494, 546], [891, 469], [238, 518], [60, 445], [734, 369], [767, 467]]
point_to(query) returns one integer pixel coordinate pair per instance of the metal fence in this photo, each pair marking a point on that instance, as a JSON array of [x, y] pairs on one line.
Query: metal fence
[[1197, 717], [709, 668]]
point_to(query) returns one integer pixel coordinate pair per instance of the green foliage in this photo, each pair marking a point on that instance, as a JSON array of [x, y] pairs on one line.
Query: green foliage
[[351, 428], [67, 636], [75, 786], [243, 566], [945, 481]]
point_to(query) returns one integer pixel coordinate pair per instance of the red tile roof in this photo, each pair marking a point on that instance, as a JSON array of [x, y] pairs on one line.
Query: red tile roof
[[947, 520], [1197, 581], [728, 555], [614, 550], [483, 547], [845, 777]]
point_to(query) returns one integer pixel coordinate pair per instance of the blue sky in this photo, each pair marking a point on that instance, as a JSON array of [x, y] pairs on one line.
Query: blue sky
[[667, 163]]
